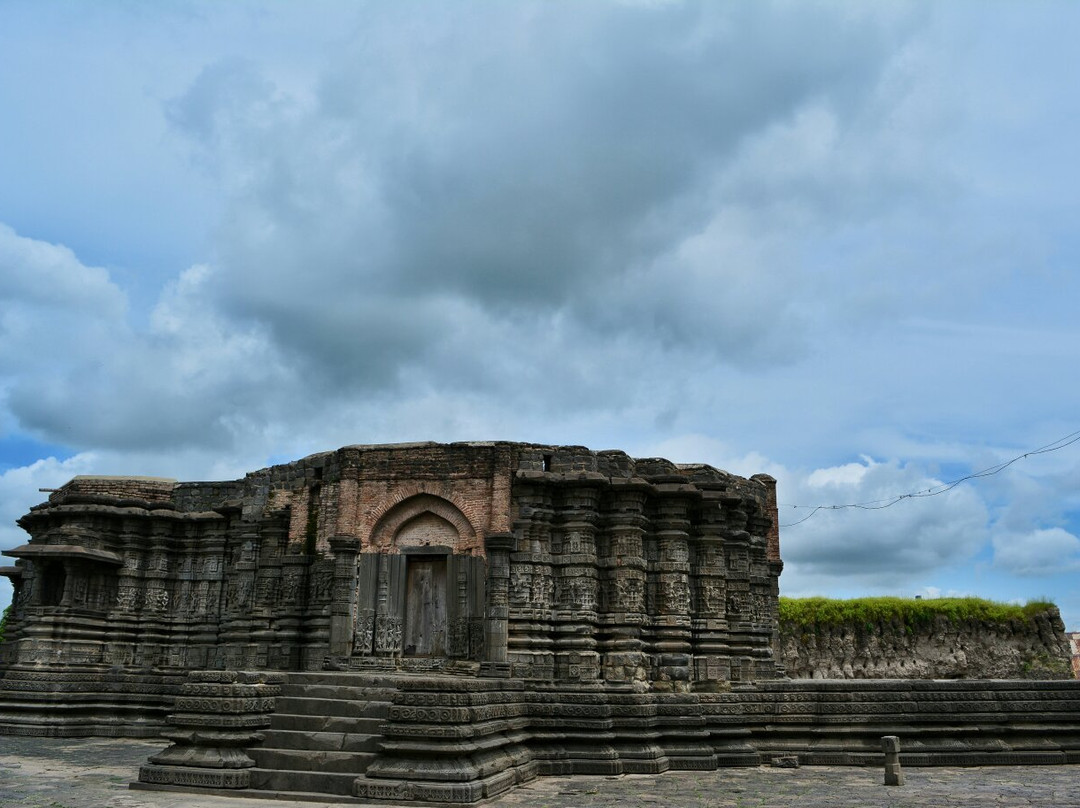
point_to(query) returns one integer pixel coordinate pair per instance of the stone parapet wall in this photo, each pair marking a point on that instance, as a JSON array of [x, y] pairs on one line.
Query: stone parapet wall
[[940, 723], [1035, 647]]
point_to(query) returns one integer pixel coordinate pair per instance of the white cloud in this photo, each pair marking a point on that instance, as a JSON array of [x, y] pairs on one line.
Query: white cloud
[[1038, 553], [19, 489], [49, 275], [880, 547], [532, 166], [190, 378], [53, 307]]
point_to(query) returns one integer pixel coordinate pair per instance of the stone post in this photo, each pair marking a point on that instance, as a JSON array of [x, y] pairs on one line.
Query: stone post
[[894, 775]]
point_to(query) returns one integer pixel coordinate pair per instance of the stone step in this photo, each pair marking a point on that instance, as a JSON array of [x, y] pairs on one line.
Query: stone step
[[338, 707], [326, 723], [320, 741], [389, 680], [321, 783], [299, 760], [345, 692]]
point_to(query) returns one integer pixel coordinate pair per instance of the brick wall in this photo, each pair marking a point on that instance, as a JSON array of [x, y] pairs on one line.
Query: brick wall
[[153, 489]]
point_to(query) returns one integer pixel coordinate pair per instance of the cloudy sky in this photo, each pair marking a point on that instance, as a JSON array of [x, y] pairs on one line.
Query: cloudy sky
[[834, 242]]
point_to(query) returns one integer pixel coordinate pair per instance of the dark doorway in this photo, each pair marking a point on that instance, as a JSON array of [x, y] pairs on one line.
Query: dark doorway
[[54, 578], [425, 606]]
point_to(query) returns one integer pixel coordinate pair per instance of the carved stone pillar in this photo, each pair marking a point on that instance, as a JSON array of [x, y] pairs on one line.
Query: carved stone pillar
[[529, 641], [208, 568], [775, 565], [239, 594], [390, 605], [764, 586], [367, 587], [739, 605], [573, 545], [623, 569], [708, 584], [466, 607], [292, 604], [343, 593], [497, 547], [671, 622]]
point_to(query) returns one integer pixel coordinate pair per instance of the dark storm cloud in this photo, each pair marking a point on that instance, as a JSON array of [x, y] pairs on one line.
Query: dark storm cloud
[[520, 159], [910, 543], [190, 379]]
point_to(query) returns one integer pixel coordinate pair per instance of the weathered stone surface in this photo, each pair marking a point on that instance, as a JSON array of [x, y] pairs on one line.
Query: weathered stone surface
[[964, 722], [1033, 648], [540, 562]]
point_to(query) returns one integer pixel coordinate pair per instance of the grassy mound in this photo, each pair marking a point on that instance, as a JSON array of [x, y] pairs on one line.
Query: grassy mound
[[822, 612]]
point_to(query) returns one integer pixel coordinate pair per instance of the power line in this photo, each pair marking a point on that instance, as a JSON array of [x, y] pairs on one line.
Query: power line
[[881, 504]]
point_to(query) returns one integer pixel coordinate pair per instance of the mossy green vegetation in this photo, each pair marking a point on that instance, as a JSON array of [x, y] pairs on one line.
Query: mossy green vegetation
[[3, 622], [810, 612]]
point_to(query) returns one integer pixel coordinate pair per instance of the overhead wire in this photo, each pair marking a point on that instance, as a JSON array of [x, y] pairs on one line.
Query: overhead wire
[[881, 504]]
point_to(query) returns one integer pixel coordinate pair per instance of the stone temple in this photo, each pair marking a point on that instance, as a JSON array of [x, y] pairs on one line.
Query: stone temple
[[440, 622]]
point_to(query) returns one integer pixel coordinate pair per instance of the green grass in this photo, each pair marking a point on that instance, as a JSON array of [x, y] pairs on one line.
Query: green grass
[[821, 612]]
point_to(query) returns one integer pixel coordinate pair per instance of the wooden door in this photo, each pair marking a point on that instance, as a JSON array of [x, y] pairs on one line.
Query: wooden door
[[425, 606]]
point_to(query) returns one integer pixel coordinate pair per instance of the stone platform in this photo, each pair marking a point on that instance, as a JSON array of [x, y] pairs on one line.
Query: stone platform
[[93, 773], [460, 740]]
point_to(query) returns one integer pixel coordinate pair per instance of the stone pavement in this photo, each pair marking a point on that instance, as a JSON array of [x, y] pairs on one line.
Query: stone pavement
[[94, 773]]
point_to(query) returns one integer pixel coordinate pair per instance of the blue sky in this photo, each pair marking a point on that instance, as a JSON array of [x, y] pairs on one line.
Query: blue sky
[[834, 242]]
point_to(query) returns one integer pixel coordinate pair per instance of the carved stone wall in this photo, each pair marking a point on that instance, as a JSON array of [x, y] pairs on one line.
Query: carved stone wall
[[542, 562], [641, 573]]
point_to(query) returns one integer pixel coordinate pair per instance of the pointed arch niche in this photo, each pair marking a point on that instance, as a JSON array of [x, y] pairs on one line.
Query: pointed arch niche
[[419, 591], [423, 520]]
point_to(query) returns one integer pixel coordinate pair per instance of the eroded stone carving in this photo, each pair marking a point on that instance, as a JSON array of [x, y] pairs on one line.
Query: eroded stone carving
[[602, 564]]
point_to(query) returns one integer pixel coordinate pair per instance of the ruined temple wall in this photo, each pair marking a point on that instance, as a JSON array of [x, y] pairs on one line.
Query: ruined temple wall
[[241, 573], [98, 582], [117, 490], [641, 572], [345, 493], [633, 571], [474, 479]]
